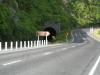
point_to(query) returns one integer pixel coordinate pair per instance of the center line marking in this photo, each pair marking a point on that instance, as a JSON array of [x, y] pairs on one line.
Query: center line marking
[[48, 53], [94, 67], [13, 62]]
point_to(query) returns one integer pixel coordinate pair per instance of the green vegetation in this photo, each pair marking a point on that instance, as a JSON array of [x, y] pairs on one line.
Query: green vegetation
[[86, 12], [20, 19], [99, 32], [95, 34]]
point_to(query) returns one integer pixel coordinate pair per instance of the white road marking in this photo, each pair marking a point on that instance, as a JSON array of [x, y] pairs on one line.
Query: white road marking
[[64, 48], [25, 49], [74, 46], [12, 62], [94, 67], [47, 53]]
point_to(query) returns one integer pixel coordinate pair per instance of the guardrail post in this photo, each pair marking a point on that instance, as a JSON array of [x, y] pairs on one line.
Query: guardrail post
[[24, 44], [31, 43], [11, 45], [20, 44], [0, 46], [46, 42], [28, 44], [37, 43], [34, 43], [5, 45], [16, 45], [42, 43]]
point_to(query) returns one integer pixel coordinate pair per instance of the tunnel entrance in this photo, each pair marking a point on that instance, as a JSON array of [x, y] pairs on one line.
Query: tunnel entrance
[[52, 35]]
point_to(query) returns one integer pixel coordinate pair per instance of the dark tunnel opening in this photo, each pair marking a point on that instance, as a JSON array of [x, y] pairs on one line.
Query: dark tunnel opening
[[52, 36]]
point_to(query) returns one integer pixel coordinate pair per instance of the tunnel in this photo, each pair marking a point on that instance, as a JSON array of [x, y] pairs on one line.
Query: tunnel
[[52, 36]]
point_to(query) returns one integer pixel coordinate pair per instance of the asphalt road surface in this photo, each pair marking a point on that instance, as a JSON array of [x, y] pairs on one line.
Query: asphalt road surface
[[80, 57]]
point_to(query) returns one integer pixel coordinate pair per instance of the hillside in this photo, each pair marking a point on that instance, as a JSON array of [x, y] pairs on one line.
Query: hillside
[[85, 12], [20, 19]]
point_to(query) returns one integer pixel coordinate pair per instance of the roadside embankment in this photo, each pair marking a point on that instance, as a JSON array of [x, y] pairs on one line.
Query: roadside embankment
[[95, 33]]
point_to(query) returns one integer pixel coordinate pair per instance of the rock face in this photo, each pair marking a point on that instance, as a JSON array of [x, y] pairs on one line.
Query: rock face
[[55, 26], [65, 1], [13, 6], [23, 18], [13, 11]]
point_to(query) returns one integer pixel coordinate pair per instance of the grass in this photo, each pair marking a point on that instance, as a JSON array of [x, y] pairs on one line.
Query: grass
[[61, 37], [96, 34]]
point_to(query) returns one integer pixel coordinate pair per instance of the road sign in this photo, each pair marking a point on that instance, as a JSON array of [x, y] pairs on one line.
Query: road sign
[[42, 33], [66, 34]]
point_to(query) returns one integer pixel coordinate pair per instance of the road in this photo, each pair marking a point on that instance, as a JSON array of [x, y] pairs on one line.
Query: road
[[76, 58]]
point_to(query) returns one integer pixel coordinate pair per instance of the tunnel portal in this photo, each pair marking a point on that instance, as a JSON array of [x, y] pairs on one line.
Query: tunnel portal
[[52, 35]]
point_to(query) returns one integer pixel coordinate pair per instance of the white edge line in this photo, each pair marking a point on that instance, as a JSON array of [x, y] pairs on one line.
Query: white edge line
[[64, 48], [25, 49], [13, 62], [94, 67], [47, 53], [74, 46]]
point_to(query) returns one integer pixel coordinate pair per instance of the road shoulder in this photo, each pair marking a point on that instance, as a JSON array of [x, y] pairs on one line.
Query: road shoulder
[[95, 34]]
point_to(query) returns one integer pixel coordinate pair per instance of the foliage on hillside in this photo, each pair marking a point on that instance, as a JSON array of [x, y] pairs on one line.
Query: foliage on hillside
[[86, 12], [20, 19]]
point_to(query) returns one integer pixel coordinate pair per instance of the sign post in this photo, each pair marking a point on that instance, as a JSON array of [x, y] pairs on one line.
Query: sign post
[[38, 38], [43, 33]]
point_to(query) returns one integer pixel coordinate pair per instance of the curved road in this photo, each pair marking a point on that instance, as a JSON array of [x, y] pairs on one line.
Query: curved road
[[76, 58]]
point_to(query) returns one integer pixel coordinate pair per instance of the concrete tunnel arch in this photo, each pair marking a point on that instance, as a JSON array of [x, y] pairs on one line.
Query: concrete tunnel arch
[[52, 33]]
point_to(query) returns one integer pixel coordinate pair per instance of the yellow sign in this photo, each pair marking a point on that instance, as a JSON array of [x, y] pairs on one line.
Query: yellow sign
[[66, 34]]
